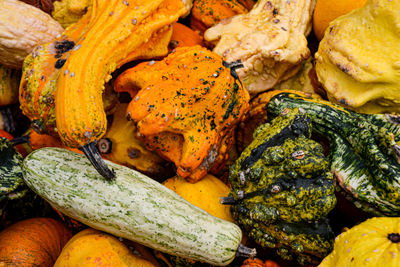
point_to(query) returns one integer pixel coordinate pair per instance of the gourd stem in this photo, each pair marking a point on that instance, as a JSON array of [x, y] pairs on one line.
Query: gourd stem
[[227, 200], [243, 251], [395, 238], [98, 163], [20, 140]]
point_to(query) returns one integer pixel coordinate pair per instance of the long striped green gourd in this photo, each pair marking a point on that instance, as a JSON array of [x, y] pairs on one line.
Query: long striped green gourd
[[365, 150], [131, 206]]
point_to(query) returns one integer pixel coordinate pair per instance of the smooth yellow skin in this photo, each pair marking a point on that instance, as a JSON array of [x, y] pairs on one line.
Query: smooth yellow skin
[[367, 244], [204, 194], [358, 60], [92, 248]]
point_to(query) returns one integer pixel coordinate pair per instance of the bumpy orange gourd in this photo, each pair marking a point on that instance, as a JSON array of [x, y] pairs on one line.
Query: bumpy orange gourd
[[206, 13], [204, 194], [259, 263], [94, 248], [33, 242], [187, 108]]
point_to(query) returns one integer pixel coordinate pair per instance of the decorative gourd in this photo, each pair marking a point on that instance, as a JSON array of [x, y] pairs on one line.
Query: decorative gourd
[[23, 29], [9, 82], [92, 248], [186, 108], [365, 149], [206, 13], [121, 145], [356, 66], [375, 242], [270, 40], [282, 190], [68, 12], [259, 263], [204, 194], [184, 36], [132, 206], [32, 242]]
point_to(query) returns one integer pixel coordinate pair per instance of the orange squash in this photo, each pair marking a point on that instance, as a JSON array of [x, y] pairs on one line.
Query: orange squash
[[184, 36], [259, 263], [33, 242]]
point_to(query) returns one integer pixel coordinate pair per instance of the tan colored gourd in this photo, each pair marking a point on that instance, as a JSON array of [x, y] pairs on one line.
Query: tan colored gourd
[[9, 83]]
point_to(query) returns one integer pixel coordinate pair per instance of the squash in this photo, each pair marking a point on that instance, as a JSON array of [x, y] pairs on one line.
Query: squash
[[171, 106], [282, 189], [9, 82], [121, 145], [93, 248], [68, 12], [184, 36], [375, 242], [133, 206], [259, 263], [206, 13], [32, 242], [23, 29], [365, 149], [204, 194]]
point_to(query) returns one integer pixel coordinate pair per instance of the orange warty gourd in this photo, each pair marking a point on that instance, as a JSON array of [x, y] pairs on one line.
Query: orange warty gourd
[[259, 263], [93, 248], [187, 109], [33, 242]]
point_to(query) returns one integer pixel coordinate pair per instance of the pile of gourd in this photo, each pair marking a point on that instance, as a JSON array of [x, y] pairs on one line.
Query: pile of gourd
[[198, 133]]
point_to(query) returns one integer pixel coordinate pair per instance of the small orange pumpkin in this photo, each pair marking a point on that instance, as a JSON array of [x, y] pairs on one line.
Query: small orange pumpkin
[[33, 242], [259, 263]]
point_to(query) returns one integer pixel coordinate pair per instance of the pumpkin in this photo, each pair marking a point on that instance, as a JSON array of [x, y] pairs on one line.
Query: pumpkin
[[33, 242], [9, 83], [206, 13], [184, 36], [122, 146], [187, 108], [282, 189], [204, 194], [259, 263], [270, 40], [365, 149], [375, 242], [93, 248], [23, 29]]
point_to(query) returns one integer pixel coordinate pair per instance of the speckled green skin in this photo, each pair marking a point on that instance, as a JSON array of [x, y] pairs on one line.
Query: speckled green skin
[[363, 150], [286, 197]]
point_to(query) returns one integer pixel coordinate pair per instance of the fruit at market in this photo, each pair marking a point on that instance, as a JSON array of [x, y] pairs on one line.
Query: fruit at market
[[132, 206], [365, 149], [9, 84], [33, 242], [186, 108], [326, 11], [67, 12], [204, 194], [270, 41], [121, 145], [93, 248], [23, 29], [374, 242], [206, 13], [282, 190], [358, 59]]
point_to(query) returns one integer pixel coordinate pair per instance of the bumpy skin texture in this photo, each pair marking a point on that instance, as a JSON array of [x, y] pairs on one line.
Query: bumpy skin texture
[[23, 29], [206, 13], [283, 189], [187, 108], [358, 59], [365, 149], [270, 40]]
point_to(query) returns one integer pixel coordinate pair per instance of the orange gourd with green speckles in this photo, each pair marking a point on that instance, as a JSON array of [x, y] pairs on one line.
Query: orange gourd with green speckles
[[187, 109]]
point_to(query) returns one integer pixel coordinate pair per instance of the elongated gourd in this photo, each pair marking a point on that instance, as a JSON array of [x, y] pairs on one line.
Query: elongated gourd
[[131, 206]]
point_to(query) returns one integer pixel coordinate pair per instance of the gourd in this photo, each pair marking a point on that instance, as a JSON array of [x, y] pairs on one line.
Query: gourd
[[91, 248], [184, 36], [375, 242], [365, 149], [23, 29], [171, 105], [206, 13], [282, 190], [68, 12], [9, 82], [132, 206], [259, 263], [204, 194], [32, 242], [121, 145]]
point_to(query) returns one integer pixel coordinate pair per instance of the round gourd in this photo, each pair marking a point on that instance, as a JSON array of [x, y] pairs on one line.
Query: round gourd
[[94, 248], [204, 194], [375, 242], [33, 242]]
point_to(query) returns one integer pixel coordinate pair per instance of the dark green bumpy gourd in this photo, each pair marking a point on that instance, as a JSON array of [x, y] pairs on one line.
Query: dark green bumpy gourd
[[282, 189]]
